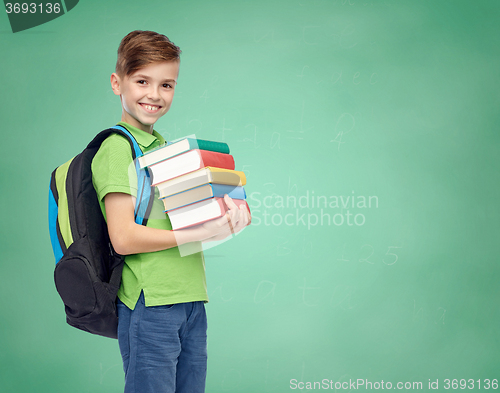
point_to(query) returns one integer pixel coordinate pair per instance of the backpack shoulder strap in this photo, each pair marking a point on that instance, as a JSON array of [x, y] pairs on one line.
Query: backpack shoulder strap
[[145, 194], [99, 138]]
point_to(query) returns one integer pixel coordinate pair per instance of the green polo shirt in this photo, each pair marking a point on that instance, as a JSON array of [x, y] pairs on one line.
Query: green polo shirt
[[164, 276]]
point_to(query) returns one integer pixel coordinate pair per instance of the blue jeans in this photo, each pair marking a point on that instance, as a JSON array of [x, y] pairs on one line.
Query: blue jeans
[[164, 348]]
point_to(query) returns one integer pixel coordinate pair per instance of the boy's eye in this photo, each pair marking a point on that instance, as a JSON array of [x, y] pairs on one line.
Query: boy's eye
[[141, 82], [167, 85]]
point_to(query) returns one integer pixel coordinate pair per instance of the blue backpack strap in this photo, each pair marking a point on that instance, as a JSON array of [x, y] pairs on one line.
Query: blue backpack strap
[[144, 200], [55, 234]]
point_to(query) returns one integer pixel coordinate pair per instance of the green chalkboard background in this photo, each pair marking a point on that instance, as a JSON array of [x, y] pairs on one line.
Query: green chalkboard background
[[369, 131]]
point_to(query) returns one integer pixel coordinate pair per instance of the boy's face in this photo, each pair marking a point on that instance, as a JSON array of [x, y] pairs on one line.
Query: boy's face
[[147, 94]]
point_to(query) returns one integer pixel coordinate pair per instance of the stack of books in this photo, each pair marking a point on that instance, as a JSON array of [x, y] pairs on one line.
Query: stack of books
[[192, 177]]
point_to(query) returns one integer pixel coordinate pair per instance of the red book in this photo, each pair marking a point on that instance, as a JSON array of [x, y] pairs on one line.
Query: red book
[[189, 162], [200, 212]]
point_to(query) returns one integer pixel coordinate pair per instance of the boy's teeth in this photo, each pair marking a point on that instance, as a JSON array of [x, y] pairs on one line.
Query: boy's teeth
[[151, 108]]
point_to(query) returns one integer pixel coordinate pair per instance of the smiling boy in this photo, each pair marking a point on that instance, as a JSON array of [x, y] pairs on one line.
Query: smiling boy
[[146, 94], [162, 322]]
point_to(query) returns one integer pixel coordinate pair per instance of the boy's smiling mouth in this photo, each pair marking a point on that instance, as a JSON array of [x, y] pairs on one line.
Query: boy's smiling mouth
[[150, 108]]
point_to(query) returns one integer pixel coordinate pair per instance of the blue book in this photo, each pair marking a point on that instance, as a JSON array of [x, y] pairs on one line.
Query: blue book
[[200, 193]]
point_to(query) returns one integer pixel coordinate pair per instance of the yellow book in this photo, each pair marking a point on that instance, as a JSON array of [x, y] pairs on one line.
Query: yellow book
[[200, 177]]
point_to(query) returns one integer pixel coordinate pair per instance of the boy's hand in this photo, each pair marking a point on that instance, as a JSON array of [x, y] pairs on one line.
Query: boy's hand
[[232, 222], [238, 218]]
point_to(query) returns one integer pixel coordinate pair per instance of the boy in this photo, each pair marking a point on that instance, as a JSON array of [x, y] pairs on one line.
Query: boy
[[162, 322]]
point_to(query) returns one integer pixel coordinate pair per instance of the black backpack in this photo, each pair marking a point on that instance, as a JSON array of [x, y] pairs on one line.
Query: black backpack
[[88, 271]]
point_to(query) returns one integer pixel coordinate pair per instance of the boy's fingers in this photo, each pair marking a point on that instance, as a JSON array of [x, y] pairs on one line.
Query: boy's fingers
[[233, 213], [229, 201], [233, 222], [232, 207], [244, 220], [244, 215]]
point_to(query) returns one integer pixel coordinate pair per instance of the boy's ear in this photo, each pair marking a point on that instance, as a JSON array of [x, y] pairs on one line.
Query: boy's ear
[[115, 83]]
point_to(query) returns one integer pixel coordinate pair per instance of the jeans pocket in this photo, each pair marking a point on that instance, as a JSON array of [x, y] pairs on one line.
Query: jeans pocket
[[162, 308]]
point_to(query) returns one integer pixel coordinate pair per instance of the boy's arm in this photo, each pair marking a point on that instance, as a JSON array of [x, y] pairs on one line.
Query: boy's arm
[[128, 237]]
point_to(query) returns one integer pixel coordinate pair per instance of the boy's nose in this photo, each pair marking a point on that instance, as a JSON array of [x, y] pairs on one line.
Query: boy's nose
[[154, 94]]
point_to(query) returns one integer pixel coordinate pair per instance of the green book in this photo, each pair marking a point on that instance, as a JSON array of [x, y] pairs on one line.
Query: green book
[[168, 151]]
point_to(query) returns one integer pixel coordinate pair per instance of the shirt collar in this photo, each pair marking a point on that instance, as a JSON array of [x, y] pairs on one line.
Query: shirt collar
[[143, 138]]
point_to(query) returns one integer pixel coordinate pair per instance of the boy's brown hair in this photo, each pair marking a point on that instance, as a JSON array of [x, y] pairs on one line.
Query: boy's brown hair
[[140, 48]]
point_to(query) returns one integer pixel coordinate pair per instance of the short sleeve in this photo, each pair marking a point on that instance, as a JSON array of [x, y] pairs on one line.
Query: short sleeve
[[113, 168]]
